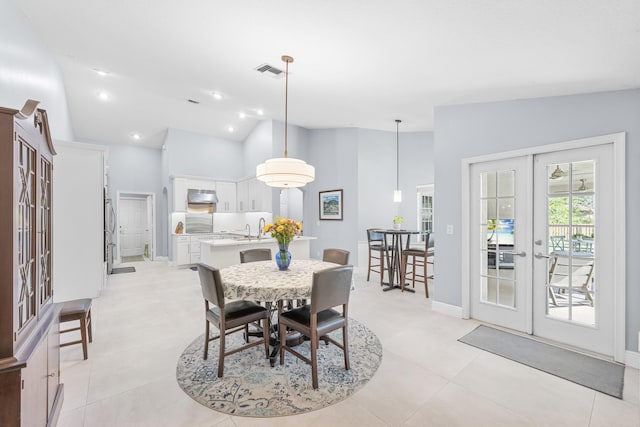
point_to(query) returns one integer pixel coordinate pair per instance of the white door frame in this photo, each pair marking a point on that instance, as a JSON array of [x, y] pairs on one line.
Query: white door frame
[[152, 204], [619, 245]]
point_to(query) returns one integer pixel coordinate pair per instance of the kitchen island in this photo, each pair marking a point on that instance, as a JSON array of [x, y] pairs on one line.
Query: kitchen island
[[220, 253]]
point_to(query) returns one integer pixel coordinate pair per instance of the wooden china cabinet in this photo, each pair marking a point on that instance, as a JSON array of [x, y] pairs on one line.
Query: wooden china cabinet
[[30, 390]]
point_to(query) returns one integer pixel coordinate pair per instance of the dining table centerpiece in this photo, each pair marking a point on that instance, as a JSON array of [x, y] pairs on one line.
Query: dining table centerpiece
[[283, 230]]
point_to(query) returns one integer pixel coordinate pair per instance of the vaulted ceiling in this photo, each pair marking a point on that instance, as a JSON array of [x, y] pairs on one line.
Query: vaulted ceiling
[[358, 63]]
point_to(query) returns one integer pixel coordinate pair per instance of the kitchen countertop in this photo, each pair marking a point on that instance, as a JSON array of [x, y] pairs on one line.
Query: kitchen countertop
[[253, 241]]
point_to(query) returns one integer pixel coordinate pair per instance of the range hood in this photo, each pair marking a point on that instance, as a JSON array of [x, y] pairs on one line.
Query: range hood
[[206, 197]]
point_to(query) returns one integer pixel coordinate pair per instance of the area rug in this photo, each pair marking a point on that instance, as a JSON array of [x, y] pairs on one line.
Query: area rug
[[134, 258], [121, 270], [597, 374], [250, 387]]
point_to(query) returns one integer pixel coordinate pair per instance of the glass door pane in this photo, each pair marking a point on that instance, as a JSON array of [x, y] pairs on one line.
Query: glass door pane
[[496, 228], [571, 242]]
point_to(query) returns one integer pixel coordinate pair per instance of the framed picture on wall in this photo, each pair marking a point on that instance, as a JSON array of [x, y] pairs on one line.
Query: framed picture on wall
[[330, 204]]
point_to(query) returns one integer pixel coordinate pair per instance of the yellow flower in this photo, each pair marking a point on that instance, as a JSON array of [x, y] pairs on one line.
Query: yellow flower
[[280, 229], [282, 221], [267, 228], [299, 225]]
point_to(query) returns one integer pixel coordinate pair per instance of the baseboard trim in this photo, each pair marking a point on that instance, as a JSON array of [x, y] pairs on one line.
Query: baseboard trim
[[632, 359], [448, 309]]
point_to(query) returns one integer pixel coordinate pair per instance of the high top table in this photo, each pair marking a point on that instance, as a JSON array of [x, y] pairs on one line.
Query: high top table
[[394, 256]]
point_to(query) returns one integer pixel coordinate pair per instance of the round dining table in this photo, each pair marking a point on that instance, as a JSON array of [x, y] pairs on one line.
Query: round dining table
[[263, 281]]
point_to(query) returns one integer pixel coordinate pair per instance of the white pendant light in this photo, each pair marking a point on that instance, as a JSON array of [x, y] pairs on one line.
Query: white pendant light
[[397, 194], [285, 172]]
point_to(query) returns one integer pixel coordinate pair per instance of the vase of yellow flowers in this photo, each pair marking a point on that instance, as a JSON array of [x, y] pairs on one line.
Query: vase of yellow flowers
[[283, 230]]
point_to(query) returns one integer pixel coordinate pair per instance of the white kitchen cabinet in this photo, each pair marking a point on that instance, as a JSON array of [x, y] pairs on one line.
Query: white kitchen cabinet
[[195, 246], [180, 187], [254, 196], [226, 192], [187, 248], [259, 199], [181, 248], [243, 195]]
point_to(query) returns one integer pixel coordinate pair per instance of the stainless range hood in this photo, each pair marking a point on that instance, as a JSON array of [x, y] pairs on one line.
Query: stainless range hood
[[207, 197], [201, 201]]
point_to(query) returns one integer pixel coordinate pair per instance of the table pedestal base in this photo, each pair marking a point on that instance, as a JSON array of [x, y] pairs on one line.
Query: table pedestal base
[[390, 287]]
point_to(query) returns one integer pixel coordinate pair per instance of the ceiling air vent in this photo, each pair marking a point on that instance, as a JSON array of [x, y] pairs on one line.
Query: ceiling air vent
[[270, 70]]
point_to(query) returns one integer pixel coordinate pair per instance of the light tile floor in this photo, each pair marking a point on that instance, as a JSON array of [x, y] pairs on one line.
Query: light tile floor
[[144, 320]]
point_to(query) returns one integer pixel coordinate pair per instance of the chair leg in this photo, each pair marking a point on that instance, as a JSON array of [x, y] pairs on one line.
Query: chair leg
[[206, 339], [265, 335], [369, 266], [83, 334], [426, 280], [283, 340], [314, 359], [89, 325], [403, 272], [345, 343], [221, 354]]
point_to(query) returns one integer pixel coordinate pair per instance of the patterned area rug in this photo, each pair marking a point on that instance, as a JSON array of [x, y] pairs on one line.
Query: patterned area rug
[[252, 388]]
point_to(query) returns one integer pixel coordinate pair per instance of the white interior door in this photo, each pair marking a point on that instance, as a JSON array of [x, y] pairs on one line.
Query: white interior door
[[132, 219], [500, 275], [574, 280]]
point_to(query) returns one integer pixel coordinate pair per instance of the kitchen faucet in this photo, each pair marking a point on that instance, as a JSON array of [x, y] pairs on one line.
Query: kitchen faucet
[[248, 228], [261, 224]]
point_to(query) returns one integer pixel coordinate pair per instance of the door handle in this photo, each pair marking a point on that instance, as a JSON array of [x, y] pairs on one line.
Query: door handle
[[520, 254], [541, 255]]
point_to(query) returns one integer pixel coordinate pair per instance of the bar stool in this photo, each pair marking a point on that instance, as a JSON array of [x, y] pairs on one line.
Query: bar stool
[[377, 252], [79, 309], [420, 258]]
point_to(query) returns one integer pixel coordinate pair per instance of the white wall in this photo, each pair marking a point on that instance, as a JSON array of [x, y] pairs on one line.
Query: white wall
[[27, 71], [471, 130]]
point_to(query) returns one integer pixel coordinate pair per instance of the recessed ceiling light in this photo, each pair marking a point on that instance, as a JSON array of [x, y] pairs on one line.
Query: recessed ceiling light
[[260, 112], [100, 72], [230, 129], [103, 96], [216, 95], [136, 136], [242, 115]]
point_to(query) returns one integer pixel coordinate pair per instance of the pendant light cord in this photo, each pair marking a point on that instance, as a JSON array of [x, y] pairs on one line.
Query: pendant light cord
[[398, 154], [286, 59]]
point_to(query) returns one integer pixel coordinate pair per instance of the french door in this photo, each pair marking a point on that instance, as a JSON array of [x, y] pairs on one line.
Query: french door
[[573, 291], [499, 241], [542, 245]]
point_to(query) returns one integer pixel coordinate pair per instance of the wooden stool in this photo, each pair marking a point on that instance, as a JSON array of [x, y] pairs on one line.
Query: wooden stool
[[79, 309]]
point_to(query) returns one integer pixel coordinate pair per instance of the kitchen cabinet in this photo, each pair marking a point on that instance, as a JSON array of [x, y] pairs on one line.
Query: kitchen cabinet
[[226, 192], [187, 249], [180, 187], [181, 250], [254, 196], [243, 195], [30, 389], [259, 196]]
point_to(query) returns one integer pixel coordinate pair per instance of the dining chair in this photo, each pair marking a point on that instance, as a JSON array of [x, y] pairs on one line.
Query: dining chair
[[228, 317], [420, 259], [337, 256], [330, 288], [377, 253], [253, 255]]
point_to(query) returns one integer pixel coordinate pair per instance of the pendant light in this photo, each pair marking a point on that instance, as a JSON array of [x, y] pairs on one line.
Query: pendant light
[[285, 172], [397, 194]]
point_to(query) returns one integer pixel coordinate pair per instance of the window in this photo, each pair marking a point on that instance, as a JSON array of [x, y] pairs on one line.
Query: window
[[425, 210]]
